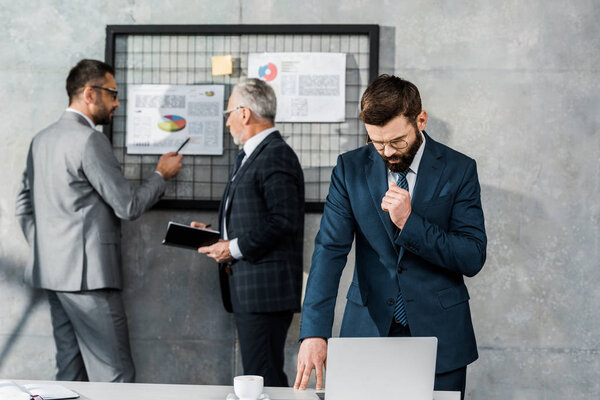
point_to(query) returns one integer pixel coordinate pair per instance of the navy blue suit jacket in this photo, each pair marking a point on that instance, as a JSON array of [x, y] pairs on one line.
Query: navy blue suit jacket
[[442, 241], [266, 215]]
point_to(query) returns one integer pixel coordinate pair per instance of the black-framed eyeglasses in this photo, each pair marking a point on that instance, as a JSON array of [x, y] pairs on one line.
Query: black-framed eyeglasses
[[227, 112], [113, 92], [396, 144]]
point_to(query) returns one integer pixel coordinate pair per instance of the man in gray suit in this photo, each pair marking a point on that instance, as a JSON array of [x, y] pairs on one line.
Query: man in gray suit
[[72, 197]]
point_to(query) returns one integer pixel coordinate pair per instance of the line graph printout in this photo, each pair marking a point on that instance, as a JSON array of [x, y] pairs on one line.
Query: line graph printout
[[161, 117], [310, 87]]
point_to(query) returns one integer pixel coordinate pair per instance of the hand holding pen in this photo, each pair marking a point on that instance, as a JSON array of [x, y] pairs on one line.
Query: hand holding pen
[[170, 163], [183, 144]]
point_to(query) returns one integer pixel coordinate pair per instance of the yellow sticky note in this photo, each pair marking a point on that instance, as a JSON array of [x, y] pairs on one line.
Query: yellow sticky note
[[222, 65]]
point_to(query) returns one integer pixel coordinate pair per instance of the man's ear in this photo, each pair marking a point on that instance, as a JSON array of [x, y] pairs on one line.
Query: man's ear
[[246, 115], [89, 95], [422, 120]]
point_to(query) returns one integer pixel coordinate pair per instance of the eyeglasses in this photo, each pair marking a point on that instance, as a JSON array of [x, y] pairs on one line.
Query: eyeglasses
[[397, 144], [113, 92], [227, 112]]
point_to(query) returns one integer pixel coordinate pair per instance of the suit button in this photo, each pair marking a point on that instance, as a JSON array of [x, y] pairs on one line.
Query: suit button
[[391, 301], [400, 269]]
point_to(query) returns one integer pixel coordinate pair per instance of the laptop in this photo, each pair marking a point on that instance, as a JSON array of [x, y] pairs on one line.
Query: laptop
[[399, 368]]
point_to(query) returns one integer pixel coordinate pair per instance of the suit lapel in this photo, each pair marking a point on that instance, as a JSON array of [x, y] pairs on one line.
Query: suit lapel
[[246, 165], [429, 174], [376, 176]]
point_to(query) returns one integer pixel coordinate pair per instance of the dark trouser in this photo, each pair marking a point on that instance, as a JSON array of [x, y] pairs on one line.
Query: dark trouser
[[451, 380], [91, 336], [262, 341]]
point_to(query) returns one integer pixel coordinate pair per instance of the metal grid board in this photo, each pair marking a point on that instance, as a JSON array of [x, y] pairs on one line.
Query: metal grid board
[[184, 58]]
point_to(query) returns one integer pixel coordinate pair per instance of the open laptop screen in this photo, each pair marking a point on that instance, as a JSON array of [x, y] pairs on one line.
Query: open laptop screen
[[380, 368]]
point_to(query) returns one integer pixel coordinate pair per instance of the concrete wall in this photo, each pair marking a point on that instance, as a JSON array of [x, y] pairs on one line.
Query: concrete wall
[[513, 84]]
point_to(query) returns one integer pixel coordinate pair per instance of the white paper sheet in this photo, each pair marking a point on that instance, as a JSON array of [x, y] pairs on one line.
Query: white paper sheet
[[11, 391], [161, 117], [310, 87]]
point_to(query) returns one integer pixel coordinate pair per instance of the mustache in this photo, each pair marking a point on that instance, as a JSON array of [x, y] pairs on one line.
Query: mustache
[[392, 158]]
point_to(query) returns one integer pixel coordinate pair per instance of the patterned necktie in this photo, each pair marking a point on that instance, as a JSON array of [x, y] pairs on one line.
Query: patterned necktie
[[399, 311], [401, 181]]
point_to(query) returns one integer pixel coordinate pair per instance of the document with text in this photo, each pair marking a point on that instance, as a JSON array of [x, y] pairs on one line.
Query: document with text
[[310, 87]]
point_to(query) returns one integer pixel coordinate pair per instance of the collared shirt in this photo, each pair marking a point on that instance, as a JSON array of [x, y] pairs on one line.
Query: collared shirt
[[250, 145], [411, 175], [83, 115]]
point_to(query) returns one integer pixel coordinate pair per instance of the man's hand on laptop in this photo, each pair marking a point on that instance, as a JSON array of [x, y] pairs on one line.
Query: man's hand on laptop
[[312, 355]]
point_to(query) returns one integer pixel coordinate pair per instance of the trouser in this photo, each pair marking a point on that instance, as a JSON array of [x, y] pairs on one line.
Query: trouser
[[452, 380], [262, 342], [91, 336]]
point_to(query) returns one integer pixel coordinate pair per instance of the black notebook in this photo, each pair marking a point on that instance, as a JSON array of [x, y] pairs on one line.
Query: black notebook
[[180, 235]]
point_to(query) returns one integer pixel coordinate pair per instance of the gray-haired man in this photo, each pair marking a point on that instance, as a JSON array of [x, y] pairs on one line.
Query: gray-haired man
[[262, 223]]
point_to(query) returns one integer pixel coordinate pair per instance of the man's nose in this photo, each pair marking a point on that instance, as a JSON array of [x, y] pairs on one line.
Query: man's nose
[[389, 151]]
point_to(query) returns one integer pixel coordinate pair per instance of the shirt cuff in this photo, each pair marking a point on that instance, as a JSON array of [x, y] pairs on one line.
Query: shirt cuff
[[161, 175], [234, 249]]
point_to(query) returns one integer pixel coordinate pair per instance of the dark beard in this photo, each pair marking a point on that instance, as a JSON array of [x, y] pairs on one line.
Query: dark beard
[[404, 159], [103, 115]]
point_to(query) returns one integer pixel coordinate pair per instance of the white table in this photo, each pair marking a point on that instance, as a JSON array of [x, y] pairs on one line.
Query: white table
[[148, 391]]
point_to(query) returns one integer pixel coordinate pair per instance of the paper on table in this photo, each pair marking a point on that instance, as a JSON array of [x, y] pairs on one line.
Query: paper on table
[[11, 391], [51, 392]]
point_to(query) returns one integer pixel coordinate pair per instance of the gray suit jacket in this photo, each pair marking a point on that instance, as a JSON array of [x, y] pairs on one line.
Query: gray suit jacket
[[71, 198]]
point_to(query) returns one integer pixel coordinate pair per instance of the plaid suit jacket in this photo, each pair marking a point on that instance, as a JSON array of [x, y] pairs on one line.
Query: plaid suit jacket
[[266, 214]]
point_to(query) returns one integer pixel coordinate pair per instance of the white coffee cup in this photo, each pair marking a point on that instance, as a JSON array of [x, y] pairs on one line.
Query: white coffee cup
[[248, 387]]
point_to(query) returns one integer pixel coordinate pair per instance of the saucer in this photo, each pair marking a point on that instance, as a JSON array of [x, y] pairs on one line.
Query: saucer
[[263, 396]]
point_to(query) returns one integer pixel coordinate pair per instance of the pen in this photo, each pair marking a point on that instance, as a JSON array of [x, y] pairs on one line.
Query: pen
[[182, 144]]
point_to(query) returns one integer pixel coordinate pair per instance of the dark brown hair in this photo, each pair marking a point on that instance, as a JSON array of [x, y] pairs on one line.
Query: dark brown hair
[[388, 97], [84, 73]]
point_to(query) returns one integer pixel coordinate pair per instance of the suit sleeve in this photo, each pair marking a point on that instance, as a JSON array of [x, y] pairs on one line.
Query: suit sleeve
[[104, 173], [24, 203], [281, 181], [462, 248], [332, 245]]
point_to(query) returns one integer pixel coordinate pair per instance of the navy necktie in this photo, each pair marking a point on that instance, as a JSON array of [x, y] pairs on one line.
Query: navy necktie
[[399, 310], [236, 166], [401, 181], [237, 163]]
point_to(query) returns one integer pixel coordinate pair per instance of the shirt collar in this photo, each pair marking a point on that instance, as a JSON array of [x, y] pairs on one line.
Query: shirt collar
[[252, 143], [414, 166], [83, 115]]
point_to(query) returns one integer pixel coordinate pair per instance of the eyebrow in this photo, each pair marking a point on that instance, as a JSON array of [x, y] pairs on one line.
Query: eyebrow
[[388, 141]]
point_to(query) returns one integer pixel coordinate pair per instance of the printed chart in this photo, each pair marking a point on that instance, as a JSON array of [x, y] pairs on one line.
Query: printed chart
[[161, 117], [310, 87]]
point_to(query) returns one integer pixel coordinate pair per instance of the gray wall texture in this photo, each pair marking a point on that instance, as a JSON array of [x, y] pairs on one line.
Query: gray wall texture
[[515, 85]]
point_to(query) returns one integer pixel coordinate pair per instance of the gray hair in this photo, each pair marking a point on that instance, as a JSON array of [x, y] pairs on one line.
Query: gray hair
[[258, 96]]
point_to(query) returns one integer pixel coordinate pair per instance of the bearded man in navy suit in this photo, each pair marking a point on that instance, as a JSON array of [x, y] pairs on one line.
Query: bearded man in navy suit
[[413, 207], [262, 226]]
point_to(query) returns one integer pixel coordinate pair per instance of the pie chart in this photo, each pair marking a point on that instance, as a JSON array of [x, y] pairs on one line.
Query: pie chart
[[171, 123], [267, 72]]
